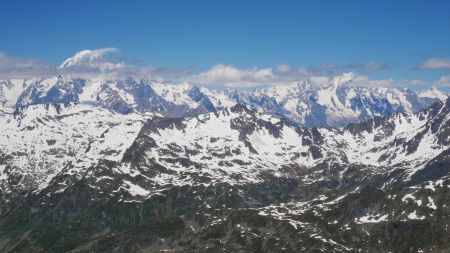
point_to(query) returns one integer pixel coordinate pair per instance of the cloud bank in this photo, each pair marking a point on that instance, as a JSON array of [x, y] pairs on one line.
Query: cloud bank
[[104, 63], [436, 63], [15, 67], [98, 63], [231, 76]]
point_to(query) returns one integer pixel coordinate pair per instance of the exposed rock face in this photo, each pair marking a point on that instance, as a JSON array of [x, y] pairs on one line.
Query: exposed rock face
[[80, 178]]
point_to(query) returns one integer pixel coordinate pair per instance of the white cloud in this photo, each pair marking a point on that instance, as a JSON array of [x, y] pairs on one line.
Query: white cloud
[[284, 68], [96, 64], [444, 81], [319, 80], [233, 77], [414, 82], [436, 63], [92, 59], [14, 67]]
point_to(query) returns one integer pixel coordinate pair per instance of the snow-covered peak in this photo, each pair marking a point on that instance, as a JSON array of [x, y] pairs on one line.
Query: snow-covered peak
[[10, 90], [329, 102], [91, 59], [342, 79], [47, 138], [433, 92]]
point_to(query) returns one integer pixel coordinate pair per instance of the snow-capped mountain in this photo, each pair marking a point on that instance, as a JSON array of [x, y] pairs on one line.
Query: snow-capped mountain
[[91, 59], [139, 165], [336, 104], [429, 96], [10, 91], [79, 177]]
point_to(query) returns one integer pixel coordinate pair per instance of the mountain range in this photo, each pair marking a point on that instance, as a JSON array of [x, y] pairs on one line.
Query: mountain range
[[335, 104], [138, 165], [83, 178]]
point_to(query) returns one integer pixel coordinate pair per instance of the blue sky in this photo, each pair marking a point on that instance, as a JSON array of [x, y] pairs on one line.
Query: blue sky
[[396, 36]]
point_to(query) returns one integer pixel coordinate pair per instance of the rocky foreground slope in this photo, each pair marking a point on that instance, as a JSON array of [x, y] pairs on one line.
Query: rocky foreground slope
[[80, 178]]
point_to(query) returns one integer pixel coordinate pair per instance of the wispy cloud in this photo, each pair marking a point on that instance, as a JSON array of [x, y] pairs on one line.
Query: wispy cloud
[[443, 81], [366, 82], [368, 68], [93, 60], [15, 67], [435, 63]]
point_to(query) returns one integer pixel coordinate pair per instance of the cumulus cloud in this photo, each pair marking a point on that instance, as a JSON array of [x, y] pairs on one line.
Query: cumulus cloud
[[436, 63], [233, 77]]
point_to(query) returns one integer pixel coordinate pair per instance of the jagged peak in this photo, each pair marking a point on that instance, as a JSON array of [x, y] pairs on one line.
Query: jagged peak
[[340, 80], [433, 92]]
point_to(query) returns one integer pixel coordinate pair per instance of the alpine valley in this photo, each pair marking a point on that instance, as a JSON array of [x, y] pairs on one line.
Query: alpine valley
[[139, 165]]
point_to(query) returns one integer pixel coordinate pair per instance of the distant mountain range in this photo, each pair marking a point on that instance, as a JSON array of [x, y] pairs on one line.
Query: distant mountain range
[[335, 104]]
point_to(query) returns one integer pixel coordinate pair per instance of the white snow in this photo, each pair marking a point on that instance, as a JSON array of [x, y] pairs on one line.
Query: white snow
[[43, 141], [414, 216], [431, 203], [135, 189], [90, 91], [10, 90], [371, 218], [433, 92]]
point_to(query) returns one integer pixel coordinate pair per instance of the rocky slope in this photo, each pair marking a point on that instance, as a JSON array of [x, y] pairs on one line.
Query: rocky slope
[[81, 178]]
